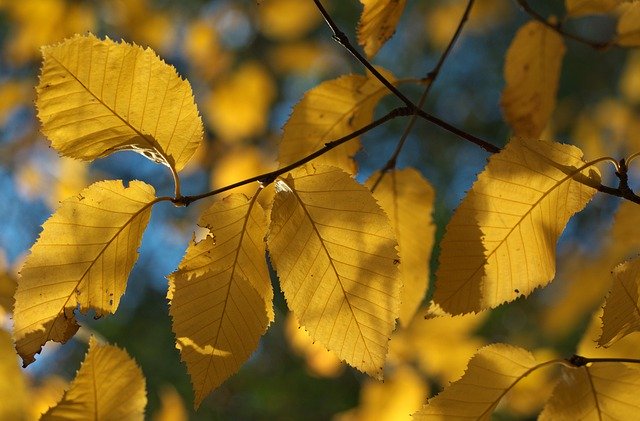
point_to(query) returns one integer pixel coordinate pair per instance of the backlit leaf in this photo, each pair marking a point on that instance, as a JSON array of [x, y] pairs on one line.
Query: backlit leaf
[[500, 242], [492, 372], [602, 391], [408, 199], [531, 72], [82, 258], [629, 25], [327, 112], [97, 97], [109, 386], [13, 405], [221, 296], [334, 251], [589, 7], [622, 309], [378, 23]]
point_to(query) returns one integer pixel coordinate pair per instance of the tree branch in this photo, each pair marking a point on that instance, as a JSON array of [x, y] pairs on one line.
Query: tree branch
[[580, 361]]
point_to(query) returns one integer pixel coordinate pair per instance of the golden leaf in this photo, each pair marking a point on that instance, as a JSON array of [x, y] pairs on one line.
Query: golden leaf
[[492, 372], [500, 243], [327, 112], [82, 258], [275, 18], [13, 405], [221, 295], [596, 392], [408, 199], [378, 23], [171, 406], [97, 97], [629, 25], [531, 71], [621, 311], [334, 251], [108, 386], [589, 7]]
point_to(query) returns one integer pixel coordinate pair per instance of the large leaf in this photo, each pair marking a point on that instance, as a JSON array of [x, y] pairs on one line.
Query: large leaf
[[408, 198], [491, 373], [602, 391], [334, 251], [500, 243], [622, 310], [82, 258], [378, 23], [531, 72], [221, 295], [589, 7], [97, 97], [327, 112], [109, 386]]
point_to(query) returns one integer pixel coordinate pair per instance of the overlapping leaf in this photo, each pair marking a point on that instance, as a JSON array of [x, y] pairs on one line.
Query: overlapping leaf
[[602, 391], [588, 7], [408, 198], [334, 251], [109, 386], [622, 310], [629, 25], [491, 373], [500, 243], [82, 258], [378, 23], [331, 110], [531, 72], [97, 97], [221, 296]]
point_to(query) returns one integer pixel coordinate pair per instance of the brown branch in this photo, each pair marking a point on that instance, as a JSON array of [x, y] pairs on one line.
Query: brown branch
[[580, 361]]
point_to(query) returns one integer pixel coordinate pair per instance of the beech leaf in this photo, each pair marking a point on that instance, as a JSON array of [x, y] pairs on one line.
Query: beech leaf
[[82, 258], [334, 251], [622, 309], [378, 23], [500, 242]]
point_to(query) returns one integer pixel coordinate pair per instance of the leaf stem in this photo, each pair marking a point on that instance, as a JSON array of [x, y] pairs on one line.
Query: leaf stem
[[580, 361]]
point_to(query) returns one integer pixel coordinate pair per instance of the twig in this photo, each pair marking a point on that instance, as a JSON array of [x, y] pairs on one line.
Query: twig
[[580, 361]]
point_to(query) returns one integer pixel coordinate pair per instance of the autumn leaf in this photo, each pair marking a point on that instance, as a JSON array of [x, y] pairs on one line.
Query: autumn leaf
[[629, 25], [96, 97], [500, 243], [408, 200], [82, 258], [599, 391], [327, 112], [108, 386], [622, 312], [589, 7], [13, 389], [378, 23], [531, 72], [334, 251], [221, 296]]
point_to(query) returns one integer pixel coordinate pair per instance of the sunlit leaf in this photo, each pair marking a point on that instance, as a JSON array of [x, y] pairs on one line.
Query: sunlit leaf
[[334, 251], [589, 7], [621, 311], [596, 392], [629, 25], [97, 97], [378, 23], [500, 243], [408, 200], [221, 296], [13, 405], [108, 386], [82, 258], [327, 112], [531, 71]]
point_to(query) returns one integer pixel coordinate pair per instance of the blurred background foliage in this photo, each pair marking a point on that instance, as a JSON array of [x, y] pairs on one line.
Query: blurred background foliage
[[249, 63]]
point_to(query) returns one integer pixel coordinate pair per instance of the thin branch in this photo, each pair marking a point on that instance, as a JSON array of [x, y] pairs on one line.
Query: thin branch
[[580, 361]]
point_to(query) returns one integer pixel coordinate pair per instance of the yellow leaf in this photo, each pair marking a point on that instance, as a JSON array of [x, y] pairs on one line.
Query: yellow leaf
[[171, 406], [500, 243], [327, 112], [621, 311], [275, 18], [14, 402], [408, 199], [600, 391], [45, 395], [492, 372], [108, 386], [531, 71], [82, 258], [629, 25], [334, 251], [378, 23], [97, 97], [221, 296], [589, 7]]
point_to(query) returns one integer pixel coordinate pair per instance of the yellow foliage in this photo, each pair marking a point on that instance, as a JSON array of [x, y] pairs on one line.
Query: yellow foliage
[[13, 94], [171, 406], [239, 163], [13, 388], [202, 47], [143, 23], [589, 7], [334, 251], [303, 57], [378, 23], [45, 395], [629, 25], [626, 347], [622, 312], [7, 286], [287, 19]]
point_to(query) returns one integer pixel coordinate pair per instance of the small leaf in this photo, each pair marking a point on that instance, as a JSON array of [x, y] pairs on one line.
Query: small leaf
[[500, 243], [97, 97], [629, 25], [408, 199], [83, 258], [334, 251], [221, 295], [378, 23], [492, 372], [328, 112], [622, 310], [589, 7], [109, 386], [531, 72], [600, 391]]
